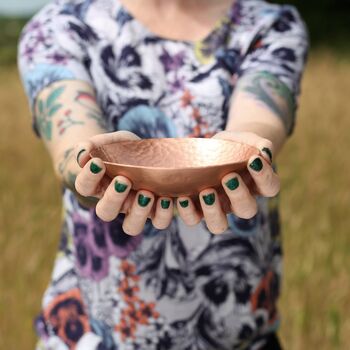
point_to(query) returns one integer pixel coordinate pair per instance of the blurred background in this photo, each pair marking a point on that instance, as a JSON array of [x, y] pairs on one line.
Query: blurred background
[[315, 200]]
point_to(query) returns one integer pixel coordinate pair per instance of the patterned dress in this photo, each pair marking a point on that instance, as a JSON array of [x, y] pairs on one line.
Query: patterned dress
[[181, 288]]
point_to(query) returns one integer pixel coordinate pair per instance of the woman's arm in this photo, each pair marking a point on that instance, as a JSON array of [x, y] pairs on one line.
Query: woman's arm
[[263, 105], [66, 113], [70, 123]]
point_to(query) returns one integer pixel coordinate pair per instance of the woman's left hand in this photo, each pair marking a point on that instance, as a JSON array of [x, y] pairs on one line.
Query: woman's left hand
[[238, 191]]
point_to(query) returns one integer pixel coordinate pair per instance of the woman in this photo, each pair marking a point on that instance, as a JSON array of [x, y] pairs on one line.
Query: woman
[[129, 273]]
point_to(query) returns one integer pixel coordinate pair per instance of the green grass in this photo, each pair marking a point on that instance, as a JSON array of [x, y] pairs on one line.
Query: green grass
[[315, 204], [10, 31]]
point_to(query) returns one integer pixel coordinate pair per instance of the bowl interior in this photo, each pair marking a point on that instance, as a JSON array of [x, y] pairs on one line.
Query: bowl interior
[[174, 153]]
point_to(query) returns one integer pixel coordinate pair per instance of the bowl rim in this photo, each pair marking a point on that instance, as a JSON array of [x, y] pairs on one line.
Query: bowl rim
[[176, 169]]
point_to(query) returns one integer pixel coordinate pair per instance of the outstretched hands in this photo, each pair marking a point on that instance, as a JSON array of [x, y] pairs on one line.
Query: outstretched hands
[[237, 193], [116, 195]]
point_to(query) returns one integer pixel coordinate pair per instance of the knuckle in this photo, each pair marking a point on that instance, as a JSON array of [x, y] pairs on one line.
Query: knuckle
[[81, 188], [128, 229], [247, 211], [160, 224], [218, 229], [103, 214]]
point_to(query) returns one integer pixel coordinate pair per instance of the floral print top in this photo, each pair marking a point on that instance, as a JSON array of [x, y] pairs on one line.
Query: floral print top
[[182, 287]]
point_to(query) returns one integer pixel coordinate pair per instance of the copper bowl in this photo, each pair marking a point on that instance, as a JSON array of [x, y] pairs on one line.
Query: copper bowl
[[174, 166]]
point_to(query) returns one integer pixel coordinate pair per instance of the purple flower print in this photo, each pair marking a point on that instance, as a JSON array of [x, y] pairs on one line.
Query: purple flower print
[[57, 58], [28, 52], [177, 84], [90, 263], [172, 63], [119, 243], [96, 240], [40, 38], [41, 327], [90, 249]]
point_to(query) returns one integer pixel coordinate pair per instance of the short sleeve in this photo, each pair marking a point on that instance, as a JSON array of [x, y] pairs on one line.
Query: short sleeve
[[52, 48], [279, 45]]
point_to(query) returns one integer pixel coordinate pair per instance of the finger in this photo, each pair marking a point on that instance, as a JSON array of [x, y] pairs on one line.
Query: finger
[[88, 180], [214, 216], [266, 180], [109, 206], [164, 213], [121, 135], [188, 211], [82, 151], [243, 204], [264, 145], [135, 220]]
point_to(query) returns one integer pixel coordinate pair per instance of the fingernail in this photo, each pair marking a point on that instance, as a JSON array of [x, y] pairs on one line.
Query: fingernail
[[79, 154], [95, 168], [165, 203], [268, 152], [256, 164], [209, 199], [119, 187], [184, 203], [143, 200], [232, 184]]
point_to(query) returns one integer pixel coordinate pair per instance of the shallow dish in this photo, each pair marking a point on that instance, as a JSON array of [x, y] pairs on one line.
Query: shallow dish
[[174, 166]]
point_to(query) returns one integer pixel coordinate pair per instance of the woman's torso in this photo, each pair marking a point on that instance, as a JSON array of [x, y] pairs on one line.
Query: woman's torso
[[179, 288]]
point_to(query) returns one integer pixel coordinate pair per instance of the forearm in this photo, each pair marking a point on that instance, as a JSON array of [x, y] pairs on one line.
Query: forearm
[[263, 105], [67, 113]]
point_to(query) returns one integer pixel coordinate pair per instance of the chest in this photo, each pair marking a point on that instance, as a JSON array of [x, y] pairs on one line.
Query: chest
[[178, 20]]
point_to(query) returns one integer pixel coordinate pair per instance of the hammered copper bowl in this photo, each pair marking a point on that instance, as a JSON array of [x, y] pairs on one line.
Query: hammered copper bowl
[[174, 166]]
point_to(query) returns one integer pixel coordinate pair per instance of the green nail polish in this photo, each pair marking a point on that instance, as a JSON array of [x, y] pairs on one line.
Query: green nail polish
[[268, 152], [119, 187], [209, 199], [232, 184], [165, 203], [256, 164], [79, 154], [184, 203], [143, 200], [95, 168]]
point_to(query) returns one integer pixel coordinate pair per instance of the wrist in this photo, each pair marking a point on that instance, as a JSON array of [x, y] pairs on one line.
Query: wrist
[[266, 131]]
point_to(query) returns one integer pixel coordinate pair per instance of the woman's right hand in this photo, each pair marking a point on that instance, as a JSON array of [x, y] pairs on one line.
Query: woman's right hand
[[115, 195]]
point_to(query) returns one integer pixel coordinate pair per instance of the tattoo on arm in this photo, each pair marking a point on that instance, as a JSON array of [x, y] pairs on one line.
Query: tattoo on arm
[[50, 109], [67, 156], [88, 101], [47, 110], [67, 121], [63, 168], [274, 94]]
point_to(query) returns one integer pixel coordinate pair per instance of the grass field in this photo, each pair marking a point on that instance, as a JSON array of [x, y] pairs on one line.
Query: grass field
[[315, 202]]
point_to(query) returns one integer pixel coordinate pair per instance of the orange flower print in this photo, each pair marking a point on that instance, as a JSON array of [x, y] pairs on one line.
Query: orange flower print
[[67, 317], [265, 295], [128, 291], [129, 270], [126, 329], [135, 311], [186, 99], [146, 311]]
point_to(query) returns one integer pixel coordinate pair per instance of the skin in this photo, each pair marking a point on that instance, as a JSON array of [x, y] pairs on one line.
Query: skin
[[259, 111]]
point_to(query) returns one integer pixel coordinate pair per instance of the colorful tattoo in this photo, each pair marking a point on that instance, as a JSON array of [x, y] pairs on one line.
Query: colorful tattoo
[[87, 100], [46, 111], [68, 121], [71, 179], [269, 90], [67, 156]]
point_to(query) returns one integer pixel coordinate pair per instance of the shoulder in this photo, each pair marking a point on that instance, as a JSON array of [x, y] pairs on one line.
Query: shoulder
[[259, 14], [258, 19]]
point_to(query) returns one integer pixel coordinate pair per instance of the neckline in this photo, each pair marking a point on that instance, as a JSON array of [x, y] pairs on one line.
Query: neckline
[[227, 16]]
